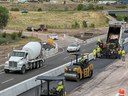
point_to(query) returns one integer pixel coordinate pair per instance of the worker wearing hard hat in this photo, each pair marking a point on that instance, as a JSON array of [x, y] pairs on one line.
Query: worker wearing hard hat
[[60, 86], [123, 55], [83, 59], [94, 53], [99, 40], [98, 51]]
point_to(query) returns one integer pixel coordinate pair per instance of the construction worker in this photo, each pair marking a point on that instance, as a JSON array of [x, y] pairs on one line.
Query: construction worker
[[94, 53], [123, 55], [98, 51], [83, 59], [119, 53], [60, 87], [99, 40]]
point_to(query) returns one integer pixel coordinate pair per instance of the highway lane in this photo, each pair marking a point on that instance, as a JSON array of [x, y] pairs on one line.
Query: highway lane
[[99, 66], [7, 80]]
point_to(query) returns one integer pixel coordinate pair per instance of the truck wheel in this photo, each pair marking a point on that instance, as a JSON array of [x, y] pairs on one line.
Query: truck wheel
[[41, 63], [6, 70], [23, 70], [90, 73], [37, 65], [30, 66], [34, 65]]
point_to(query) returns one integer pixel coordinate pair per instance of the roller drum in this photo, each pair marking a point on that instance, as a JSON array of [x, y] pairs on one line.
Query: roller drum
[[71, 76]]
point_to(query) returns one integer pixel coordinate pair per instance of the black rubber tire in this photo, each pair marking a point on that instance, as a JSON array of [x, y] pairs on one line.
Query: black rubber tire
[[6, 70], [90, 73], [30, 67], [34, 65], [23, 70], [41, 63], [37, 64]]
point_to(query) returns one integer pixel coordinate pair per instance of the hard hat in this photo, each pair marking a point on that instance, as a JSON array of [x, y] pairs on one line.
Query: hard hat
[[60, 83], [121, 92]]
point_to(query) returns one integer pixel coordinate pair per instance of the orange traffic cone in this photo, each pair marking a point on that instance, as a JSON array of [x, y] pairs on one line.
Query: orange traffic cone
[[121, 92]]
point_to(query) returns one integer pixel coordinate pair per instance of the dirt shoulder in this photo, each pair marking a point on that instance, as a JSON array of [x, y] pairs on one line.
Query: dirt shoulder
[[107, 83]]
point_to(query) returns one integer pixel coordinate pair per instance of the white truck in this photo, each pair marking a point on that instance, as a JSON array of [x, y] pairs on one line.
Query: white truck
[[30, 57]]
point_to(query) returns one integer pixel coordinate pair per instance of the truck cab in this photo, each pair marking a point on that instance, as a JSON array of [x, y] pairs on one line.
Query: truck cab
[[16, 60]]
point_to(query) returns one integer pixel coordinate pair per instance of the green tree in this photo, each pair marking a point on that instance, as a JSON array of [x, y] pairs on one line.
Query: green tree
[[3, 17]]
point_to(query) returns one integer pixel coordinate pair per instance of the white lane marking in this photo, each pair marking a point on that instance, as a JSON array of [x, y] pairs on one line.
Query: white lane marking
[[7, 81], [66, 57], [1, 72]]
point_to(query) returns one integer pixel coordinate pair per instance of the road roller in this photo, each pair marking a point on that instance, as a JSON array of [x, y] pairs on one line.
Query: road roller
[[78, 70]]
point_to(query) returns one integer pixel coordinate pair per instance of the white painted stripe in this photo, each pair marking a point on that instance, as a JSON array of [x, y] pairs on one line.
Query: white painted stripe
[[7, 81]]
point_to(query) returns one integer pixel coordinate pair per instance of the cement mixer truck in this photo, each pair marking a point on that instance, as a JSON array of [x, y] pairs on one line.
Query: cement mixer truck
[[30, 57]]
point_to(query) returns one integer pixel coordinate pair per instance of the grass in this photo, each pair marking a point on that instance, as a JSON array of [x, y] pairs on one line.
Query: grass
[[55, 19]]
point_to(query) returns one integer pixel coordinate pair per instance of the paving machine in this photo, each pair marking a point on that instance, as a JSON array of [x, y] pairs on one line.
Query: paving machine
[[114, 40], [51, 91], [78, 70]]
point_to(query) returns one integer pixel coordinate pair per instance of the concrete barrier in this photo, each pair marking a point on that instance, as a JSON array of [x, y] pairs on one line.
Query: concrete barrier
[[30, 83]]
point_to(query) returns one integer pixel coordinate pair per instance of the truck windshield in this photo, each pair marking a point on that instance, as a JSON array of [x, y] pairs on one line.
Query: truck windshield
[[18, 54]]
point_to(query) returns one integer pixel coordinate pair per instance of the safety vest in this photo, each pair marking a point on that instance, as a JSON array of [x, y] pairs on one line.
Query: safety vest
[[119, 51], [82, 59], [59, 88], [98, 40], [94, 52], [123, 53], [98, 49]]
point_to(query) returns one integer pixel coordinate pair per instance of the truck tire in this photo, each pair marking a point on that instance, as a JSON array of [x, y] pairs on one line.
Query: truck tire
[[23, 69], [34, 65], [90, 73], [30, 66], [41, 63], [6, 70], [37, 64]]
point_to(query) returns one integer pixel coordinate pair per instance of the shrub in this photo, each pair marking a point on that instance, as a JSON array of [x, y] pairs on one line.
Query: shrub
[[39, 9], [80, 7], [92, 25], [13, 36], [75, 25], [125, 18], [14, 9], [4, 35], [84, 24], [19, 34], [3, 40]]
